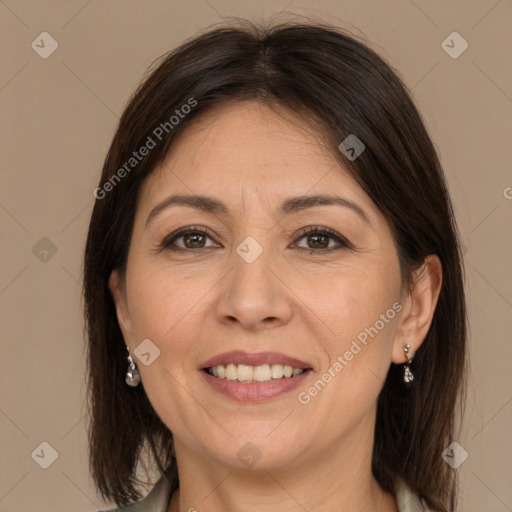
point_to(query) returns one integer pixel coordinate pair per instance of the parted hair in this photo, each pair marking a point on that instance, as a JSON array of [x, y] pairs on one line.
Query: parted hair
[[337, 84]]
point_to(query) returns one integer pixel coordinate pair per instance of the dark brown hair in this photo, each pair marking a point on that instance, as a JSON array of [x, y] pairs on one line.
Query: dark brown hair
[[337, 83]]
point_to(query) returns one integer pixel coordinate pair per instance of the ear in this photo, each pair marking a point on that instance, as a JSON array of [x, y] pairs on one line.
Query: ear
[[118, 292], [419, 305]]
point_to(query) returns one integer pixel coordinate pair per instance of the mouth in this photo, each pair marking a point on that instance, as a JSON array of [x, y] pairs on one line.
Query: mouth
[[254, 377], [254, 374]]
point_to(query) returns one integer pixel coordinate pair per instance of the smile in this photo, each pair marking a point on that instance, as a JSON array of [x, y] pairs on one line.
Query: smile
[[250, 374], [246, 377]]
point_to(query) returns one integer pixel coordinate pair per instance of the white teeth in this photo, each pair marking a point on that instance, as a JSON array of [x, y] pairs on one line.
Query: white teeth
[[277, 371], [231, 372], [244, 372], [261, 373]]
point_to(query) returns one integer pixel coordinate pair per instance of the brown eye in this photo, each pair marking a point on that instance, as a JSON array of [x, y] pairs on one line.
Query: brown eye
[[187, 238], [194, 240], [319, 239]]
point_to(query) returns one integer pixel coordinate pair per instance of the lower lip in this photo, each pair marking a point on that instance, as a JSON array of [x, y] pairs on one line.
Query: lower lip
[[256, 391]]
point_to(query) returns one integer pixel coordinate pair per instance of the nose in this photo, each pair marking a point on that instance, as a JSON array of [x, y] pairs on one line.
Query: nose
[[254, 295]]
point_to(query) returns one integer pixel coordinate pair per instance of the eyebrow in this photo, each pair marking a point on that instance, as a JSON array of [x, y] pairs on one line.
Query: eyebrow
[[288, 207]]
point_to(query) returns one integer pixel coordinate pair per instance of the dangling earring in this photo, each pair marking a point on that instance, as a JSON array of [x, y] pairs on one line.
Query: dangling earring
[[408, 376], [132, 374]]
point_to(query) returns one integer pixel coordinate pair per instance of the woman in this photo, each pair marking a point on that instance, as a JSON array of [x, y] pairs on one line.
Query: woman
[[273, 285]]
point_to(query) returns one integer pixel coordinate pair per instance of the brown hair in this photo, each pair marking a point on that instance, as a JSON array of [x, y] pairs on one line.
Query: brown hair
[[327, 77]]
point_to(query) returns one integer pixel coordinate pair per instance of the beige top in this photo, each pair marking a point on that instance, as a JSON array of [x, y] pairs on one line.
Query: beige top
[[159, 498]]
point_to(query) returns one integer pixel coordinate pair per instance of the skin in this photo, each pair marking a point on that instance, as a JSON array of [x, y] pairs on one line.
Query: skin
[[309, 304]]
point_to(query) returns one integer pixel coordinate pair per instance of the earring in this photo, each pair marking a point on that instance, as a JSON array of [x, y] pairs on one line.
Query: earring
[[132, 374], [408, 376]]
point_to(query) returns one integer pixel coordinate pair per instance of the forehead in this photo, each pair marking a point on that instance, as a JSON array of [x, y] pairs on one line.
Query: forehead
[[245, 149]]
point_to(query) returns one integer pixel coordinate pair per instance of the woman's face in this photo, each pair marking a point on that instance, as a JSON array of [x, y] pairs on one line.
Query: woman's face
[[258, 291]]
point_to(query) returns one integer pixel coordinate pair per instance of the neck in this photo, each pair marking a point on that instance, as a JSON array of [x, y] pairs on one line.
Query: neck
[[338, 478]]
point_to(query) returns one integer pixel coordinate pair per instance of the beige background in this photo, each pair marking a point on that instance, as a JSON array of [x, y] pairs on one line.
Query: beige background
[[58, 117]]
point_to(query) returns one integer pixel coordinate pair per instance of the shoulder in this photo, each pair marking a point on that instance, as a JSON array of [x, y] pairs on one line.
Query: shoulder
[[157, 500], [407, 500]]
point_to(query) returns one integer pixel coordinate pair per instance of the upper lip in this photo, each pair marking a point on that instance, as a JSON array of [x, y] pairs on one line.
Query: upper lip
[[257, 359]]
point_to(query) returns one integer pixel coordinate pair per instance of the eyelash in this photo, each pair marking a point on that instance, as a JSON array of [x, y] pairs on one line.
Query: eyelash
[[319, 230]]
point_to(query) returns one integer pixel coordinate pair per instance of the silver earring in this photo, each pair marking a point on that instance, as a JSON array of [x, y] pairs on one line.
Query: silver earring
[[132, 374], [408, 376]]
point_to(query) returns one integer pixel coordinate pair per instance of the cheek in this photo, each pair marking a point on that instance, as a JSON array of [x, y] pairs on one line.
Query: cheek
[[159, 300], [169, 307], [362, 314], [355, 298]]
